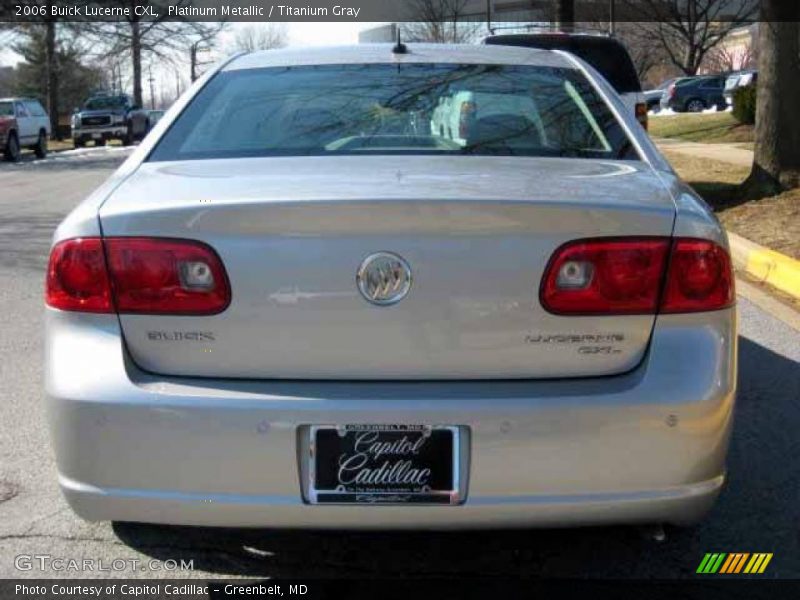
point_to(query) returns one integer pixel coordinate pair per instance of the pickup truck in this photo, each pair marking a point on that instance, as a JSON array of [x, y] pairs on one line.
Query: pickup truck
[[23, 124], [107, 117]]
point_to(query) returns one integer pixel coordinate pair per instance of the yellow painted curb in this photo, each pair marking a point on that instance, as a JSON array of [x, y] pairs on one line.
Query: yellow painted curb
[[766, 265]]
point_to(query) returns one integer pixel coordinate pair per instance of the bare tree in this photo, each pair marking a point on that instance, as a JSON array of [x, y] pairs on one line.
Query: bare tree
[[441, 21], [723, 58], [687, 30], [159, 37], [565, 13], [50, 26], [260, 37], [645, 55], [202, 40], [776, 164]]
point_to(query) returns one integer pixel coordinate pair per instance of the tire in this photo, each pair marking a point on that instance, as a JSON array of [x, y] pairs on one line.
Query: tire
[[127, 140], [695, 105], [40, 149], [78, 142], [12, 152]]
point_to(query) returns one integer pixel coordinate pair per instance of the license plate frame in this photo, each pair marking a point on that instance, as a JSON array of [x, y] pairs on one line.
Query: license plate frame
[[437, 438]]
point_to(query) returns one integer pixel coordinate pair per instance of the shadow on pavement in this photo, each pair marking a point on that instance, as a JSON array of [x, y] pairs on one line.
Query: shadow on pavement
[[757, 512]]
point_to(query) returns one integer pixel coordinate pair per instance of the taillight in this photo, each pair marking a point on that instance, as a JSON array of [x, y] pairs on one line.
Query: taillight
[[700, 278], [143, 275], [465, 119], [625, 276], [77, 279], [605, 276], [641, 113], [671, 91]]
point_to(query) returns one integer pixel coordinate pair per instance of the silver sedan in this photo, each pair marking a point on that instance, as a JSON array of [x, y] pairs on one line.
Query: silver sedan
[[458, 282]]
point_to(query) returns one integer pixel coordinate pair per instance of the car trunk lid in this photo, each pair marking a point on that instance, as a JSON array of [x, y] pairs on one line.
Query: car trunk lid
[[476, 232]]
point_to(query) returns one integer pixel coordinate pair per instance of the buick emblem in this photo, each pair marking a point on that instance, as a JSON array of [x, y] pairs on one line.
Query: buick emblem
[[384, 278]]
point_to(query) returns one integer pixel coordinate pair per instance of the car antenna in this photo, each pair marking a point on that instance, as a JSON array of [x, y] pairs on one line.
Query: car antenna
[[399, 47]]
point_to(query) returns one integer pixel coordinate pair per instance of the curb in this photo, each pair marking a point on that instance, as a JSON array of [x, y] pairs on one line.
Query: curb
[[765, 265]]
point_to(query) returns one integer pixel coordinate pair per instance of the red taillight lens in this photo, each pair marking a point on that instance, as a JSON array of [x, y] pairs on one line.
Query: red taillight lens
[[76, 277], [700, 278], [641, 114], [465, 119], [623, 276], [144, 275], [615, 276], [151, 275]]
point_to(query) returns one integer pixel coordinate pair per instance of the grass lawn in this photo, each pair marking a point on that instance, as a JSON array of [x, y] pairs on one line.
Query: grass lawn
[[772, 222], [57, 146], [712, 128]]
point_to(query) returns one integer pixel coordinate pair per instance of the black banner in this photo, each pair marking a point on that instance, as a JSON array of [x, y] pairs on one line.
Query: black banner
[[490, 11], [384, 589]]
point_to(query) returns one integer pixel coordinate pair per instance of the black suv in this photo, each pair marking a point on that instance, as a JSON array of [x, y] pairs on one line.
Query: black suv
[[606, 54], [695, 94]]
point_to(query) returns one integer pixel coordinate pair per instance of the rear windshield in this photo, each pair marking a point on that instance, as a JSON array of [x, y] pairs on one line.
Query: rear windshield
[[608, 56], [104, 103], [6, 109], [396, 109]]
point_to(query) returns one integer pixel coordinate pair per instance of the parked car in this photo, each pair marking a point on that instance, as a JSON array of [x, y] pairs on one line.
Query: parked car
[[606, 54], [107, 117], [297, 303], [23, 124], [653, 97], [736, 81], [695, 94]]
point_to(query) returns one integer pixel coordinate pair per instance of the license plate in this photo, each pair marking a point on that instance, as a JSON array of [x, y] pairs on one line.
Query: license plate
[[384, 464], [97, 136]]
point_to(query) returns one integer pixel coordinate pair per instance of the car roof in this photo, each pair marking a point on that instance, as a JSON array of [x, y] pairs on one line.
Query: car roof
[[416, 53], [18, 99]]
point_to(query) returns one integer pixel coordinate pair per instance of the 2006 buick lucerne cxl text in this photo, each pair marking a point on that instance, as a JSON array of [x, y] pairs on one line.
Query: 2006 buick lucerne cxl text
[[423, 286]]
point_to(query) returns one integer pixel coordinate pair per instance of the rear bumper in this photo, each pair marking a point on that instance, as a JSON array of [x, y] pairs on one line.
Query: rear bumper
[[642, 447]]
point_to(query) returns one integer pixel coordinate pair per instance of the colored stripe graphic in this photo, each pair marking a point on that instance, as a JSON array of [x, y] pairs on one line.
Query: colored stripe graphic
[[727, 564], [711, 563], [734, 563]]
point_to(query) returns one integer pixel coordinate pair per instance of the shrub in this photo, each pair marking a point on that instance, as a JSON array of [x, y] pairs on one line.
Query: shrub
[[744, 104]]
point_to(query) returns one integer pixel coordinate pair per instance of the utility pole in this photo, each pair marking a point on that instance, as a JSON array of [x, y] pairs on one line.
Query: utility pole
[[612, 17], [151, 80]]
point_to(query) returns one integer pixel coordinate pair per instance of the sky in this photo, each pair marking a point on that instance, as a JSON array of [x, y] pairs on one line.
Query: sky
[[300, 34]]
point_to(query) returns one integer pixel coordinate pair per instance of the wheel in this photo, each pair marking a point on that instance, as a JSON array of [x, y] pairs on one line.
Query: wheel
[[127, 140], [78, 142], [695, 105], [12, 152], [40, 149], [100, 142]]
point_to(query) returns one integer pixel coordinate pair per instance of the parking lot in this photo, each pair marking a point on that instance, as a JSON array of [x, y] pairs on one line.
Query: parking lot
[[759, 510]]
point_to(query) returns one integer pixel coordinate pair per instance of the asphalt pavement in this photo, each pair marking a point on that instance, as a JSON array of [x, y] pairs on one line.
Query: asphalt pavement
[[758, 511]]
